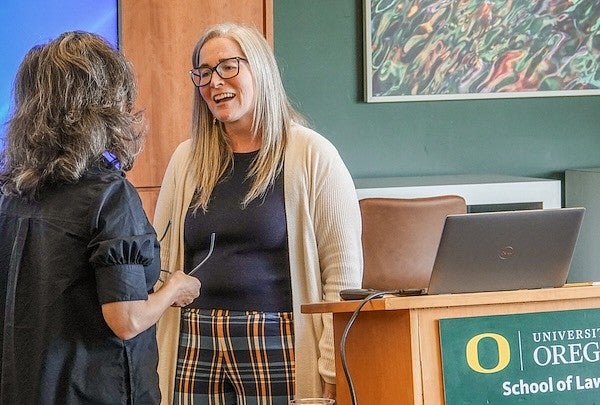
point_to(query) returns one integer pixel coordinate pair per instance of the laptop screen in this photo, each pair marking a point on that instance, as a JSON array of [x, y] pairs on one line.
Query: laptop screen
[[508, 250]]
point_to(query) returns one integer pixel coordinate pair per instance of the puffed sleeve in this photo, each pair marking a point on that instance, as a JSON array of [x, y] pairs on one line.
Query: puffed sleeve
[[124, 248]]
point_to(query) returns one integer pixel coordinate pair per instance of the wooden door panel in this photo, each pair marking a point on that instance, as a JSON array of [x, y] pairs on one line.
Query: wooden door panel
[[158, 37]]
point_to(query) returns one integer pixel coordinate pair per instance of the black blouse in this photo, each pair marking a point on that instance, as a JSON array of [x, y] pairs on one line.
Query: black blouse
[[80, 246]]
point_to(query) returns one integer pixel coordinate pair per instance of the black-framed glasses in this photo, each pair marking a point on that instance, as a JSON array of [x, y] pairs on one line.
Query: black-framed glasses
[[226, 69]]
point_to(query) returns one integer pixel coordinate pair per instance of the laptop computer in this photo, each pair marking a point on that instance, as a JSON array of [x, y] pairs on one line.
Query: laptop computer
[[502, 250]]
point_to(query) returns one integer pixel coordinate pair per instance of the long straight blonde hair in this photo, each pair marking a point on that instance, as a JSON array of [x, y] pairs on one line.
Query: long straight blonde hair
[[272, 118]]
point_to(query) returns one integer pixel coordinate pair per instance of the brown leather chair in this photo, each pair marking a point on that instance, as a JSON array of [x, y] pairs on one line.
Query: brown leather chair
[[400, 238]]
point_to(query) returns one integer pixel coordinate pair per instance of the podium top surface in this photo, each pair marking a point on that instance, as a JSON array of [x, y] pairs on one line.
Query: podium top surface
[[391, 303]]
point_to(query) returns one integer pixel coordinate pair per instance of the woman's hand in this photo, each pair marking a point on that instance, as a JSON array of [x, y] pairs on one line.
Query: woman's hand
[[185, 289], [129, 318]]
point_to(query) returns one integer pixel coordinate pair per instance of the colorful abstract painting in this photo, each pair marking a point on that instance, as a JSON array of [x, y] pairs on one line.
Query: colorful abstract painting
[[455, 49]]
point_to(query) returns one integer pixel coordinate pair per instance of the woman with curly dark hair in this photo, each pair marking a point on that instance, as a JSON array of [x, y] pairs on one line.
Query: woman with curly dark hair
[[79, 257]]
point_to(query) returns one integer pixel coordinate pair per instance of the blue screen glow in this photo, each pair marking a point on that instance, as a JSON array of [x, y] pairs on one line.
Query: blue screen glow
[[24, 24]]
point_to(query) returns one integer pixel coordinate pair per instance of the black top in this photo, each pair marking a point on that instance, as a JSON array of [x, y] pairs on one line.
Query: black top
[[249, 269], [80, 246]]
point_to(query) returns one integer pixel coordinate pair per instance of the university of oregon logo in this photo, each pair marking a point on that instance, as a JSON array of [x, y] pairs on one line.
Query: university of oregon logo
[[543, 357], [472, 353]]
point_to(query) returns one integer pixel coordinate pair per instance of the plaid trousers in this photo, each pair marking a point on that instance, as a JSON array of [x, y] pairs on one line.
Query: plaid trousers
[[235, 357]]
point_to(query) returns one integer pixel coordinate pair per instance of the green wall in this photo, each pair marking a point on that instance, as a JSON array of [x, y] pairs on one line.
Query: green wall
[[318, 44]]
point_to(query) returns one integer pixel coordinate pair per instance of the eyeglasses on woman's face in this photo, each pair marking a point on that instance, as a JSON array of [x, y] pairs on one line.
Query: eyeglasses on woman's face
[[226, 69]]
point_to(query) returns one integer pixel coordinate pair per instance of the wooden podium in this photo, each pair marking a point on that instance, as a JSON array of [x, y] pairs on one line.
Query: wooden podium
[[393, 348]]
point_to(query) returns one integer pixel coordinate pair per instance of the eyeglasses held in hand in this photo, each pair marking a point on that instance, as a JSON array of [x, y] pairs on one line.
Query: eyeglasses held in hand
[[210, 250], [226, 69]]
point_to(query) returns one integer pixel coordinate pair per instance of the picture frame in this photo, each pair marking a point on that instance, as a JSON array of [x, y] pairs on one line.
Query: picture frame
[[472, 49]]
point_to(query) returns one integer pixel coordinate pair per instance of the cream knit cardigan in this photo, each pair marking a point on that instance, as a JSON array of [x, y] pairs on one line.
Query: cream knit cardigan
[[325, 251]]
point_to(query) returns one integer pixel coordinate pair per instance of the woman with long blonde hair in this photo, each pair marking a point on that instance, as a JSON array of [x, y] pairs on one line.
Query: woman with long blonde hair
[[264, 212]]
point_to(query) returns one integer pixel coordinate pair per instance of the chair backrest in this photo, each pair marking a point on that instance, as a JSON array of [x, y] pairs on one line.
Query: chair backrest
[[400, 238]]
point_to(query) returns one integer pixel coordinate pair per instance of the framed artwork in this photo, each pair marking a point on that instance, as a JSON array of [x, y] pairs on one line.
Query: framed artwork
[[418, 50]]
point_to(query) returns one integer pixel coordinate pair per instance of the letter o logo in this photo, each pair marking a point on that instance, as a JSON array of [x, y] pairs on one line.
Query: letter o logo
[[472, 353]]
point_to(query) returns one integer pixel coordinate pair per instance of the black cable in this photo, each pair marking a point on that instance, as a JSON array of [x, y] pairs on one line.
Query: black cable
[[345, 336]]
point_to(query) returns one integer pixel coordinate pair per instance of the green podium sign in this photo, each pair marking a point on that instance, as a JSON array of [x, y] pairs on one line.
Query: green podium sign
[[540, 358]]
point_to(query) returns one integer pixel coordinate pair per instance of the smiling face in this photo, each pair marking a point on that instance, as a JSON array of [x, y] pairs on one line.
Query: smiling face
[[231, 101]]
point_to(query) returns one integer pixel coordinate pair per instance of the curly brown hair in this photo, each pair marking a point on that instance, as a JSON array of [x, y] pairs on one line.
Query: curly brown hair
[[73, 101]]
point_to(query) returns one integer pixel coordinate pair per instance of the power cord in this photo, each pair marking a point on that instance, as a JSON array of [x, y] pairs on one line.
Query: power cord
[[368, 298]]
